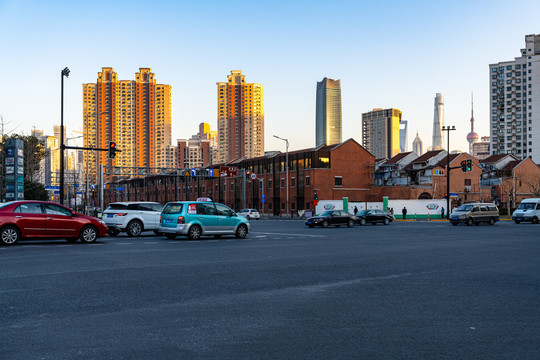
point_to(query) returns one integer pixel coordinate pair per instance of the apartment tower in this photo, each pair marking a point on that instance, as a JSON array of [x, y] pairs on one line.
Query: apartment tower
[[135, 114], [240, 109], [380, 132], [328, 112], [515, 104]]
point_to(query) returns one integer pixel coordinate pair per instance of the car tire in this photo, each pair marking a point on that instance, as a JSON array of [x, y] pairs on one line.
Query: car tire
[[170, 236], [134, 228], [386, 221], [194, 232], [325, 224], [350, 223], [470, 221], [535, 220], [9, 235], [113, 232], [362, 222], [491, 221], [517, 221], [241, 231], [88, 235]]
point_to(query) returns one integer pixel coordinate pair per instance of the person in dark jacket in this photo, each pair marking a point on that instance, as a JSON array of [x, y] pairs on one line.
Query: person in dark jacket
[[404, 212]]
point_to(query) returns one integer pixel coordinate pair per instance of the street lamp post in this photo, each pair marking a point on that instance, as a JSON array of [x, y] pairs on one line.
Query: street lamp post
[[65, 73], [286, 168], [448, 129]]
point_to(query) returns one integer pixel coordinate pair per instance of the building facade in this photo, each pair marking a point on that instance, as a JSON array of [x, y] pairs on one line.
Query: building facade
[[417, 145], [134, 114], [403, 136], [480, 149], [328, 112], [380, 132], [240, 109], [515, 104], [438, 123]]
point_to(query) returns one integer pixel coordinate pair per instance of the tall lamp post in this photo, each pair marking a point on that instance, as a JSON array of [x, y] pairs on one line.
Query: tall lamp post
[[448, 129], [286, 168], [65, 73]]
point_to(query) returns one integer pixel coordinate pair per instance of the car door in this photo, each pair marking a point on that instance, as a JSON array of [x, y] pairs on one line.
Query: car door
[[226, 220], [157, 214], [60, 222], [343, 217], [31, 219], [148, 216], [206, 214]]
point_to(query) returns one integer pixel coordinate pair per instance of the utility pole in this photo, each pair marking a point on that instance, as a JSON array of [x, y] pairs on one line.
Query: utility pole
[[448, 129]]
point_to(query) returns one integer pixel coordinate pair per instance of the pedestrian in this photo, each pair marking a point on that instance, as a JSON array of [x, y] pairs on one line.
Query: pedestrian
[[442, 213], [355, 211], [392, 212], [404, 212]]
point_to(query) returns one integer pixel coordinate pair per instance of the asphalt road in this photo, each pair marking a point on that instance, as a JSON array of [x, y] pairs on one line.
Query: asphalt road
[[410, 290]]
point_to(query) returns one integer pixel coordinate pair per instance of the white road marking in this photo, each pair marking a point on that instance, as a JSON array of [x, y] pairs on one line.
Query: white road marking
[[268, 233]]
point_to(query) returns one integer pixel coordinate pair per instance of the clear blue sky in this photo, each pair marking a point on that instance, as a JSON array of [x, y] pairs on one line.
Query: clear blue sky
[[387, 54]]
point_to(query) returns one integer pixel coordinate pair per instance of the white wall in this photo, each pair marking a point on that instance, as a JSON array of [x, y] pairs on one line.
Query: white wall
[[419, 207]]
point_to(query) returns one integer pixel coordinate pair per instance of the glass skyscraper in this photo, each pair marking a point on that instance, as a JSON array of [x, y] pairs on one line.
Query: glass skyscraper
[[328, 114]]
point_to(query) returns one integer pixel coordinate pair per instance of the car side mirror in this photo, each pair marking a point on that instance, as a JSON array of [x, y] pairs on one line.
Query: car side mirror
[[74, 214]]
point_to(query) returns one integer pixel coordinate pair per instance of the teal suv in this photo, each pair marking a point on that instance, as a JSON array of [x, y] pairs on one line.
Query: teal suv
[[197, 218]]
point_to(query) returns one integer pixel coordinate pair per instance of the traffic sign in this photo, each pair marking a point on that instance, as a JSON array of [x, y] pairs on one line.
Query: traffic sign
[[211, 172], [228, 171], [193, 172], [253, 176], [263, 196], [262, 200], [52, 187]]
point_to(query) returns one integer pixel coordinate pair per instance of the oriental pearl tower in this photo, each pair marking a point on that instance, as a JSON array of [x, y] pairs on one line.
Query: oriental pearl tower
[[472, 137]]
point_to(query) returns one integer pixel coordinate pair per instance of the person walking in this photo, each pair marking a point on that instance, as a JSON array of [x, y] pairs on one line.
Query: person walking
[[355, 211], [404, 212], [442, 213]]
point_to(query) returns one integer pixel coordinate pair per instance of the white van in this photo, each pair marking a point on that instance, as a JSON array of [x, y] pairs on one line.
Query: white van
[[528, 210]]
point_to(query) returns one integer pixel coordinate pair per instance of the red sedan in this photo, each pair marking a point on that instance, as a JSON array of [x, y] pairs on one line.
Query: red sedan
[[42, 220]]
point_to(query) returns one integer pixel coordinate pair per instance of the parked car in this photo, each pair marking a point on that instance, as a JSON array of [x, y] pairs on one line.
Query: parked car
[[132, 217], [528, 210], [374, 216], [196, 218], [43, 219], [475, 213], [250, 214], [331, 217]]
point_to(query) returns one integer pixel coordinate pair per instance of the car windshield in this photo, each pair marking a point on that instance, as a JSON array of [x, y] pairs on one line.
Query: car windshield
[[327, 213], [172, 209], [5, 204], [464, 208], [527, 206]]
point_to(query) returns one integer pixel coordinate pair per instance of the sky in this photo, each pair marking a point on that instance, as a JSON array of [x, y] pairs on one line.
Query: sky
[[387, 54]]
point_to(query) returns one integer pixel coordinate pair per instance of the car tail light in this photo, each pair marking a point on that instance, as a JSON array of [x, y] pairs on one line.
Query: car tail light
[[180, 220], [122, 214]]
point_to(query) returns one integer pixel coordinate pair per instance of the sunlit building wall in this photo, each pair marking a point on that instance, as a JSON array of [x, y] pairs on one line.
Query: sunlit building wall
[[380, 132], [328, 112]]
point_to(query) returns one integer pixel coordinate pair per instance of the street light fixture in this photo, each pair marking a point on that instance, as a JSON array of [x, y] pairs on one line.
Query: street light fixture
[[65, 73], [286, 168], [448, 129]]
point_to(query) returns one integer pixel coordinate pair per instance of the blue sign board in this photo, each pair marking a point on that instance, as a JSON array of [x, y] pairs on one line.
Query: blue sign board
[[193, 172], [263, 197], [262, 200], [52, 187], [120, 188], [211, 172]]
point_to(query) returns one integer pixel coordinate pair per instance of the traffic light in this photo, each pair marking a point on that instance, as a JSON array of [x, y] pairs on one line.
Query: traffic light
[[248, 173], [112, 149], [464, 166], [316, 196], [469, 165]]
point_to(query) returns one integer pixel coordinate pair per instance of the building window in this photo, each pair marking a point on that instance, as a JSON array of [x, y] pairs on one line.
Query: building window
[[269, 183], [293, 182], [282, 183], [308, 181], [338, 181], [282, 206]]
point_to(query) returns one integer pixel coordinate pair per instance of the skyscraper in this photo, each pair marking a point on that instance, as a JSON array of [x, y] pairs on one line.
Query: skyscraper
[[380, 132], [403, 146], [515, 104], [134, 114], [438, 123], [328, 112], [417, 145], [240, 108], [472, 137]]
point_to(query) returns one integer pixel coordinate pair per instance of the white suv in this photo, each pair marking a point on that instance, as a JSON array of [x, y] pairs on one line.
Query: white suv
[[132, 217], [250, 214]]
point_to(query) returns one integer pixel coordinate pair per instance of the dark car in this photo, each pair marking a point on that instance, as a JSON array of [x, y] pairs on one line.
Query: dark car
[[374, 217], [331, 217], [43, 220]]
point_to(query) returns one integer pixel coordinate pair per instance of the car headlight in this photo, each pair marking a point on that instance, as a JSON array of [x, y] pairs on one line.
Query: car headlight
[[101, 221], [462, 216]]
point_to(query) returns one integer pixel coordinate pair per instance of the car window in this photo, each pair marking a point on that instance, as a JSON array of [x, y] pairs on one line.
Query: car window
[[117, 207], [483, 208], [223, 210], [538, 207], [174, 208], [344, 213], [492, 208], [145, 207], [30, 208], [132, 207], [157, 207], [326, 213], [464, 208], [56, 210], [206, 209]]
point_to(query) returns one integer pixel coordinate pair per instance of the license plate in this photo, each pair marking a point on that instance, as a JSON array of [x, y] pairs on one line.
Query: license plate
[[168, 221], [518, 219], [309, 222], [110, 215]]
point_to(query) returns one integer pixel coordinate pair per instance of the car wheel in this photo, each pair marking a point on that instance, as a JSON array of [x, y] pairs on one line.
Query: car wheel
[[350, 223], [386, 221], [491, 221], [194, 232], [325, 224], [242, 231], [247, 217], [88, 234], [171, 236], [113, 232], [470, 221], [454, 223], [362, 222], [517, 221], [9, 235], [535, 220], [134, 228]]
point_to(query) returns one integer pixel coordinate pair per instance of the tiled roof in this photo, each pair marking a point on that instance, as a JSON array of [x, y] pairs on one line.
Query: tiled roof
[[397, 158], [442, 163], [426, 156], [493, 158]]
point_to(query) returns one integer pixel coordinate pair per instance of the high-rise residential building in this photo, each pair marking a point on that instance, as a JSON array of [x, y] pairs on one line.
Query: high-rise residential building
[[438, 123], [328, 112], [380, 132], [515, 104], [417, 145], [52, 160], [206, 133], [480, 149], [403, 146], [200, 150], [135, 114], [240, 111]]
